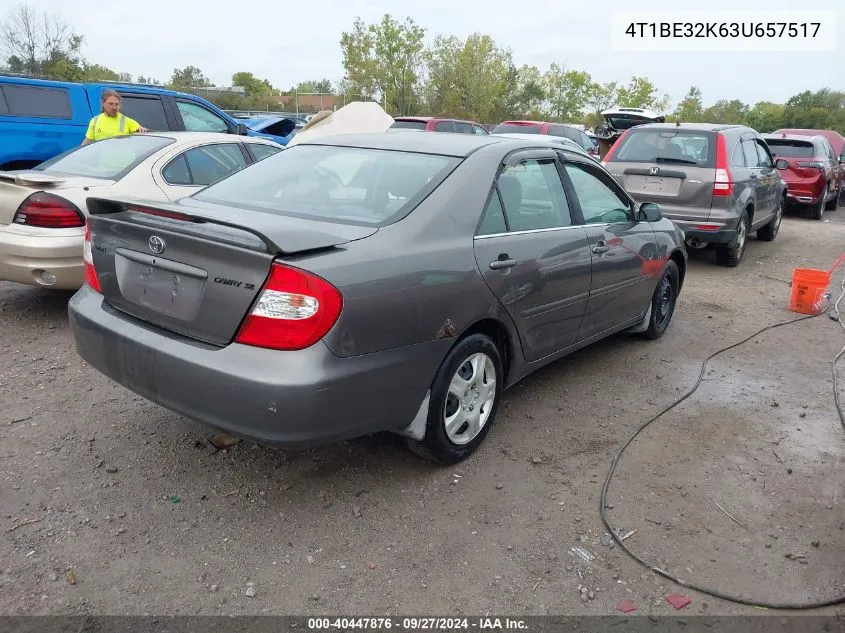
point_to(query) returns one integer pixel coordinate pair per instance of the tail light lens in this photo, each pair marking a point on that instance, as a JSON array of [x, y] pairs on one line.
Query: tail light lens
[[295, 310], [88, 259], [813, 164], [723, 184], [49, 211]]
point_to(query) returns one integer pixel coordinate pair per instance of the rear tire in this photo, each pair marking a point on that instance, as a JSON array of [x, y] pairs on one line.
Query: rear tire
[[663, 301], [731, 254], [464, 400], [817, 212], [769, 232]]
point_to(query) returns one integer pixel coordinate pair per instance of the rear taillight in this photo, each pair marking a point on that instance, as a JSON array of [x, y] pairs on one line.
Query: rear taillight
[[614, 147], [88, 259], [812, 164], [723, 184], [48, 211], [295, 310]]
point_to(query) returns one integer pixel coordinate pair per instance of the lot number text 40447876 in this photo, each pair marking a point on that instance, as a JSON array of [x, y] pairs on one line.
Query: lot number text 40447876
[[417, 624]]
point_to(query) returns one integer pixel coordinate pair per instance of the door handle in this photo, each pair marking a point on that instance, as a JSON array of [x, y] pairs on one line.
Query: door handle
[[600, 247], [502, 263]]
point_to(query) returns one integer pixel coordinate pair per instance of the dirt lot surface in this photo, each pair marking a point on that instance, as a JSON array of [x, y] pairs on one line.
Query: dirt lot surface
[[135, 512]]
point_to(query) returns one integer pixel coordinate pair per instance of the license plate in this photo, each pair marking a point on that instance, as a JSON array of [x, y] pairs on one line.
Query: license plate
[[654, 184], [176, 295]]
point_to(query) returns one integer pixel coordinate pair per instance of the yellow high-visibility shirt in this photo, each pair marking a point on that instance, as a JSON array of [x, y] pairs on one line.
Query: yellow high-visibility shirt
[[104, 126]]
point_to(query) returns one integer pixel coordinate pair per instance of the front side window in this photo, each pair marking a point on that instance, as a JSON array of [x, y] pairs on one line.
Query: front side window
[[533, 195], [199, 119], [347, 185], [600, 203], [111, 158]]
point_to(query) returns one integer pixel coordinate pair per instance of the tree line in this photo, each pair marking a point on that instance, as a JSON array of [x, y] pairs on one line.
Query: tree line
[[389, 61]]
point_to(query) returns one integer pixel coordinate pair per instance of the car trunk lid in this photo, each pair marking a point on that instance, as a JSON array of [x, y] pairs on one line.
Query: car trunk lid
[[17, 186], [196, 269]]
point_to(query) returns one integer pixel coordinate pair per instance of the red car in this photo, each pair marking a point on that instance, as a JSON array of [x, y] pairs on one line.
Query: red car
[[436, 124], [836, 140], [551, 129], [811, 169]]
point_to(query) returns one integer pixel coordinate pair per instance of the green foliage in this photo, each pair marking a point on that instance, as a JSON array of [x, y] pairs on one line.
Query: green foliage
[[691, 107], [188, 77], [252, 85], [567, 92], [384, 59], [641, 93]]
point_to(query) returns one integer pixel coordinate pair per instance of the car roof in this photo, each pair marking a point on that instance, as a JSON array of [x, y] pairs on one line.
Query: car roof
[[793, 137], [460, 145], [201, 137], [691, 127]]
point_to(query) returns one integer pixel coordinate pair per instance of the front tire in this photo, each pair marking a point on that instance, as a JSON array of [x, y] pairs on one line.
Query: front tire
[[834, 201], [663, 301], [464, 400], [770, 231], [731, 255]]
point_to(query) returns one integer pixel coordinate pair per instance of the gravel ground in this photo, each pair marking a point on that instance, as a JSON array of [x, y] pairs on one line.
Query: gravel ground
[[112, 505]]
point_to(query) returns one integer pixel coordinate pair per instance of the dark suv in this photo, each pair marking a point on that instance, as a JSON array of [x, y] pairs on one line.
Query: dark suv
[[717, 182]]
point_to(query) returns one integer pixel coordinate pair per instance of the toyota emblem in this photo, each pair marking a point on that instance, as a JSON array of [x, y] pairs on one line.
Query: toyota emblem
[[654, 171], [156, 245]]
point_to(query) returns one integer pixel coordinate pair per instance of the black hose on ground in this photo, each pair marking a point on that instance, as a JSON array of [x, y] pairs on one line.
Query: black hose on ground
[[706, 590]]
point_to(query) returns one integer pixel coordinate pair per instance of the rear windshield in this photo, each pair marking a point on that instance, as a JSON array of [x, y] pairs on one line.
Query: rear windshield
[[783, 148], [667, 146], [347, 185], [509, 128], [110, 158], [409, 125]]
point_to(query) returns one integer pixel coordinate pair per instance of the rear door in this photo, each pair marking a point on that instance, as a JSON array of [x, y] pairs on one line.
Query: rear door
[[769, 178], [533, 256], [151, 111], [753, 172], [675, 168], [199, 167], [625, 260]]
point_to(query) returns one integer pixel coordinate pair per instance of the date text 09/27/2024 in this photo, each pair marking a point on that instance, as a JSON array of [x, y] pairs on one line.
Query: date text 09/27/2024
[[415, 624]]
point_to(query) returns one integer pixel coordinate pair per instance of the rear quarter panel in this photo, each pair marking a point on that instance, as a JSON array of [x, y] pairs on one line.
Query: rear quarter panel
[[38, 139], [416, 280]]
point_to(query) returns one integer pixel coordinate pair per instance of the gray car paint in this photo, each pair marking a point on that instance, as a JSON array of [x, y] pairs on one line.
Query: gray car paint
[[757, 190], [410, 290]]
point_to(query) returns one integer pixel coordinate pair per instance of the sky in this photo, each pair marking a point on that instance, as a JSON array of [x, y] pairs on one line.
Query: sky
[[288, 42]]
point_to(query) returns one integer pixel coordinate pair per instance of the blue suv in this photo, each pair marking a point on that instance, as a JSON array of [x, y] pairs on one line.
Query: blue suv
[[40, 119]]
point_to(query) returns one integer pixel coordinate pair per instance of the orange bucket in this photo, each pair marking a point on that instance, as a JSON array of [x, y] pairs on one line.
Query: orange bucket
[[808, 290]]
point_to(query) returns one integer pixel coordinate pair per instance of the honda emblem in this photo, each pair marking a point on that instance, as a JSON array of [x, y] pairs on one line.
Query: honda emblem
[[654, 171]]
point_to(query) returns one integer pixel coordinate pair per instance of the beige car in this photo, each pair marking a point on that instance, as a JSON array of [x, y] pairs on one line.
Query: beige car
[[43, 210]]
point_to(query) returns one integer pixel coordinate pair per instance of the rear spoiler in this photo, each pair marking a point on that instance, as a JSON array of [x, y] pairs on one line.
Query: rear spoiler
[[31, 178], [122, 204]]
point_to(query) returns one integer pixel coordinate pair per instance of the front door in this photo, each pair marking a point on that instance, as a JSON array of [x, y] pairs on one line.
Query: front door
[[625, 261], [769, 178], [532, 255]]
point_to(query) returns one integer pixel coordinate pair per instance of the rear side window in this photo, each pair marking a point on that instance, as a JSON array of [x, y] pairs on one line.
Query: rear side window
[[462, 128], [408, 125], [202, 166], [510, 128], [262, 151], [785, 148], [443, 126], [347, 185], [147, 111], [667, 146], [35, 101]]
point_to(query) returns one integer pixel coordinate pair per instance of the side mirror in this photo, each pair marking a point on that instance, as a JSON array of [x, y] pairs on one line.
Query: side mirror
[[781, 163], [650, 212], [241, 129]]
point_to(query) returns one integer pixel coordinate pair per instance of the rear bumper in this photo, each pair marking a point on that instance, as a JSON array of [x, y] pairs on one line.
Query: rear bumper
[[715, 233], [26, 253], [294, 399]]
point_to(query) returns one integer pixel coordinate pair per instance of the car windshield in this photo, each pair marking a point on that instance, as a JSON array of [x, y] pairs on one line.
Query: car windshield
[[667, 146], [110, 158], [783, 148], [506, 128], [346, 185], [408, 125]]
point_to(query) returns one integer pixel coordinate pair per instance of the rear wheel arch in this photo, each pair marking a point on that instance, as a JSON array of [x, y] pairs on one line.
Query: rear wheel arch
[[679, 260], [498, 333], [749, 209]]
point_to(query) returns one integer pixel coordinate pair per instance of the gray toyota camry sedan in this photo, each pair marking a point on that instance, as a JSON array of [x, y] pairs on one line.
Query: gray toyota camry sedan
[[364, 283]]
